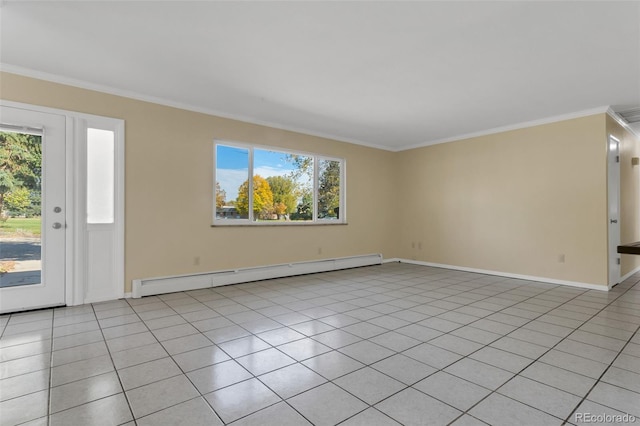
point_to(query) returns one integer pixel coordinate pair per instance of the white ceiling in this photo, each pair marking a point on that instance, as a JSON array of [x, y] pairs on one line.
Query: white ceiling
[[388, 74]]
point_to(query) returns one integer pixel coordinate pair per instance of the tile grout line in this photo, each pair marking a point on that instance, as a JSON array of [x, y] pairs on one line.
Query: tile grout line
[[538, 359], [389, 288], [468, 355], [524, 368], [299, 362], [50, 381], [533, 296], [411, 386], [201, 395], [599, 379], [126, 397], [505, 291], [172, 359], [172, 356], [474, 302], [84, 378]]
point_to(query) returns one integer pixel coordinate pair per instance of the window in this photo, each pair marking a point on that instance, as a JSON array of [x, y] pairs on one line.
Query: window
[[260, 185], [100, 175]]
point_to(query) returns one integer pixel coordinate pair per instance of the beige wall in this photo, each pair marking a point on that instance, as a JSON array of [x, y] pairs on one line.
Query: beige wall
[[169, 196], [629, 192], [511, 202]]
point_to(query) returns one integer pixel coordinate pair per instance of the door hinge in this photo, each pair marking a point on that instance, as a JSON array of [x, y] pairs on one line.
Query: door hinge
[[617, 158], [618, 261]]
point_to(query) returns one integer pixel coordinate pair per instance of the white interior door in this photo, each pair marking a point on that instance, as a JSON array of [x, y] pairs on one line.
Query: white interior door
[[613, 191], [33, 262]]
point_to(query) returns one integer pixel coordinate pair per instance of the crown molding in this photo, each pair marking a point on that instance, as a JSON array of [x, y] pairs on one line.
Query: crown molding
[[54, 78], [517, 126], [616, 117], [82, 84]]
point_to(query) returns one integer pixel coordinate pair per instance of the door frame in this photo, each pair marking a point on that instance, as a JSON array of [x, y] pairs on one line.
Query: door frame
[[75, 239], [613, 213]]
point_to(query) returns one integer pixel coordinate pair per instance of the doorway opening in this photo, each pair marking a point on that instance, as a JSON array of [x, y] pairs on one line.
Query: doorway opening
[[613, 196]]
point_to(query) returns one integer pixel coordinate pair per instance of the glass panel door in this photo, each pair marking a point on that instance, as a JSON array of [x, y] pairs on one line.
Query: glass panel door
[[33, 204]]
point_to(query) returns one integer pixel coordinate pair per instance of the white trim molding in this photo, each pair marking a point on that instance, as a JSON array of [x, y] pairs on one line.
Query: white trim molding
[[629, 274], [26, 72], [616, 117], [516, 126], [171, 284], [54, 78], [508, 275]]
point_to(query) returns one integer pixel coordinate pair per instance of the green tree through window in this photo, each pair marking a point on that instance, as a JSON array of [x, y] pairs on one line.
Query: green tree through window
[[20, 173]]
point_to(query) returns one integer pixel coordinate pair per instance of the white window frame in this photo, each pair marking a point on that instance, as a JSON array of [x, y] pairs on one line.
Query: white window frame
[[342, 220]]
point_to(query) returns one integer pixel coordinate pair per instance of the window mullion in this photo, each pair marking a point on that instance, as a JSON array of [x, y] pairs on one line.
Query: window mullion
[[250, 195], [315, 189], [343, 192]]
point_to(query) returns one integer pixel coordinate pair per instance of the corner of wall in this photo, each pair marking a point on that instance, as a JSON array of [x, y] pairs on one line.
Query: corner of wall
[[629, 191]]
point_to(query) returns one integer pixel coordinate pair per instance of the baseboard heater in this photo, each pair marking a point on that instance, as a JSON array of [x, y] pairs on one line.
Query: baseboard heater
[[161, 285]]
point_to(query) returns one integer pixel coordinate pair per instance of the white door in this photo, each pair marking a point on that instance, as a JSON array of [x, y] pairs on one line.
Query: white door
[[32, 238], [613, 191]]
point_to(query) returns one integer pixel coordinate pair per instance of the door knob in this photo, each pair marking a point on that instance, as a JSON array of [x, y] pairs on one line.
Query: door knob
[[57, 225], [57, 209], [614, 221]]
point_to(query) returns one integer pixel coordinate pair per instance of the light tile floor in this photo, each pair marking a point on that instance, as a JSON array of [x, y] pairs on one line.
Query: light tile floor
[[383, 345]]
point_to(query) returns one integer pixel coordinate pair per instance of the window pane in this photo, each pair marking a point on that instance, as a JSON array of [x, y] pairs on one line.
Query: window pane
[[20, 209], [286, 187], [282, 183], [328, 189], [302, 175], [232, 180], [100, 176]]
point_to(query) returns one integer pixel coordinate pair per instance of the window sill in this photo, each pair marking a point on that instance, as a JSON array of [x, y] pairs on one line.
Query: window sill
[[273, 225]]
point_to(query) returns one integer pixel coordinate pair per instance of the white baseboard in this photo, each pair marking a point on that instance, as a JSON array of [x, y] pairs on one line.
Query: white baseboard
[[629, 274], [100, 299], [507, 274], [169, 284], [161, 285]]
